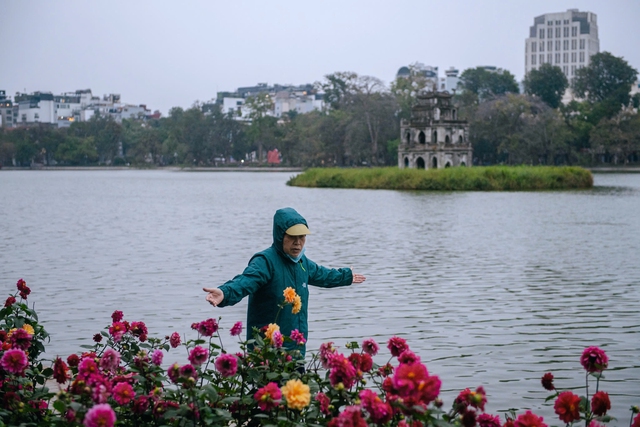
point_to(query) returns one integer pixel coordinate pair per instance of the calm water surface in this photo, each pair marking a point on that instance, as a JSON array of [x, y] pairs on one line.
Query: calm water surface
[[491, 289]]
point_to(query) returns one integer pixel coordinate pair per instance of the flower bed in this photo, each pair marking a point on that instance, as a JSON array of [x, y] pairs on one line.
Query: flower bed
[[119, 380]]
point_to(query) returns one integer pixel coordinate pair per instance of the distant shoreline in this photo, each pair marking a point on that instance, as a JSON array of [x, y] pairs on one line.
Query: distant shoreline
[[598, 169], [167, 168]]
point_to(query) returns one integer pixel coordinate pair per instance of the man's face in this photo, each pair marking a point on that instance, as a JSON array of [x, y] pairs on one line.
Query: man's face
[[292, 245]]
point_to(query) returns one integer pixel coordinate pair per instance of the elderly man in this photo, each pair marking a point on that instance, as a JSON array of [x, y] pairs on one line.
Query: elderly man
[[274, 269]]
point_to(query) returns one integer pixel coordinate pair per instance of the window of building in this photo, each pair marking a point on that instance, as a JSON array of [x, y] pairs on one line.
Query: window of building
[[581, 56], [533, 46], [565, 31], [549, 33], [541, 59], [581, 43], [558, 31], [573, 70], [549, 22], [549, 45], [565, 69], [549, 58], [565, 44], [574, 44], [541, 46], [557, 58], [541, 35], [573, 57], [557, 44], [565, 22], [24, 117], [533, 60], [574, 31], [565, 58]]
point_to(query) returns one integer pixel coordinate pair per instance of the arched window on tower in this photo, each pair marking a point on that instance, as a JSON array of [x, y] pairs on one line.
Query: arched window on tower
[[460, 140], [408, 137], [421, 138], [406, 162], [420, 163], [434, 162], [434, 138], [447, 139]]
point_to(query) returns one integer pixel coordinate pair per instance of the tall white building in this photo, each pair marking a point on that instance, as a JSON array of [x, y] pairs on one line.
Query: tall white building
[[564, 39]]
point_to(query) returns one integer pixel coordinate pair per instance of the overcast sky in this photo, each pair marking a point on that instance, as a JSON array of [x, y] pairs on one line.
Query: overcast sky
[[167, 54]]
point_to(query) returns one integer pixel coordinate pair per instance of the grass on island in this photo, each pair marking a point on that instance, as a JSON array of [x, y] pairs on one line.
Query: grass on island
[[482, 178]]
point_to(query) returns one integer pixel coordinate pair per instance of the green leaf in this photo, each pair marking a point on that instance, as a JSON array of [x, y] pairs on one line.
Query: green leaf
[[60, 406]]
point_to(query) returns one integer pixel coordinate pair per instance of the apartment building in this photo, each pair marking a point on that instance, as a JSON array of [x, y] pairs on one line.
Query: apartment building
[[564, 39]]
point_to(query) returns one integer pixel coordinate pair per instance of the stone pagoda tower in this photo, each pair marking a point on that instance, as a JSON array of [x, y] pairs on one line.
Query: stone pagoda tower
[[434, 137]]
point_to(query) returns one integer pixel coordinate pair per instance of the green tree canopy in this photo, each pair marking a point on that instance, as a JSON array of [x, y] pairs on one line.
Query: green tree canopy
[[606, 81], [486, 84], [548, 83]]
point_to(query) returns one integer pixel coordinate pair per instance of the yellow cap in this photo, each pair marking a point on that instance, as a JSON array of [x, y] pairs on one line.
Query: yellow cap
[[298, 230]]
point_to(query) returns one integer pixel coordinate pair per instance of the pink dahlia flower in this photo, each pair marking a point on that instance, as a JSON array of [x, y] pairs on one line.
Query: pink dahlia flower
[[487, 420], [268, 397], [529, 419], [206, 328], [370, 347], [175, 341], [227, 365], [117, 316], [156, 357], [123, 393], [110, 360], [236, 329], [324, 402], [198, 355], [297, 337], [342, 371], [277, 339], [20, 339], [397, 345], [594, 359], [379, 412], [100, 416], [14, 361]]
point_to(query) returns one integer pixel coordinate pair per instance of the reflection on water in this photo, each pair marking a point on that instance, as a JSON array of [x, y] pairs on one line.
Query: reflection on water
[[490, 289]]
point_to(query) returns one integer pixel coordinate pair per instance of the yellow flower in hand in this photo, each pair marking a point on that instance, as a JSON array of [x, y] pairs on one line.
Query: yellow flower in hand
[[297, 305], [289, 295]]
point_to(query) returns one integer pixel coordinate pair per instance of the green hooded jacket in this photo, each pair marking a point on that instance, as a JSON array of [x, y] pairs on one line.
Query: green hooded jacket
[[271, 271]]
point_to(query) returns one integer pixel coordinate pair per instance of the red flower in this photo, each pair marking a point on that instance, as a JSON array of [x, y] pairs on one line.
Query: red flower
[[3, 336], [600, 403], [297, 337], [87, 367], [20, 339], [117, 330], [567, 407], [117, 316], [486, 420], [528, 419], [408, 357], [23, 288], [73, 360], [188, 371], [123, 393], [379, 412], [139, 329], [350, 417], [198, 355], [594, 359], [397, 345], [174, 340], [469, 418], [10, 301], [324, 402], [466, 398], [227, 365], [174, 372], [236, 329], [386, 370], [206, 328], [547, 381], [60, 371], [141, 405], [342, 371], [268, 397], [97, 337], [414, 384], [636, 421], [370, 347]]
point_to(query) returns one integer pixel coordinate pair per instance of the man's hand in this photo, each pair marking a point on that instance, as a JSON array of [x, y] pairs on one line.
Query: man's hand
[[214, 296], [358, 278]]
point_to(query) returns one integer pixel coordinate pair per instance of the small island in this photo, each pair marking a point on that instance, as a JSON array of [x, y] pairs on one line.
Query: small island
[[483, 178]]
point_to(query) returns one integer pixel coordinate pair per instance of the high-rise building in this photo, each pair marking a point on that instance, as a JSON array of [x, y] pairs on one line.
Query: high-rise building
[[565, 39]]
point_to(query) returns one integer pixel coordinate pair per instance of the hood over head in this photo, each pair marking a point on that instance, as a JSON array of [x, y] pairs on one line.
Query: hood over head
[[284, 219]]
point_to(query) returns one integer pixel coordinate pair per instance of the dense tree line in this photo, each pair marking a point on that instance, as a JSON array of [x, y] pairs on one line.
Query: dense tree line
[[360, 124]]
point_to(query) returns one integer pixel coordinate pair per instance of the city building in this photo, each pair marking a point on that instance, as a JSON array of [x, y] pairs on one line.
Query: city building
[[564, 39], [62, 110], [434, 137], [447, 83]]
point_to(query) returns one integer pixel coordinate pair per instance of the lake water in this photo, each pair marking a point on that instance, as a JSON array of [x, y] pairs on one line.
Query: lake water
[[491, 289]]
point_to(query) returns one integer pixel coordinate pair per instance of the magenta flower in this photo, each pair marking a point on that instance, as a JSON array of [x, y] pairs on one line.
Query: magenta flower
[[117, 330], [277, 339], [139, 329], [594, 359], [14, 361], [156, 357], [236, 329], [198, 355], [529, 419], [117, 316], [547, 381], [20, 339], [227, 365], [175, 341], [123, 393], [187, 371], [397, 345], [327, 350], [206, 328], [324, 402], [87, 367], [110, 360], [268, 397], [408, 357], [370, 347], [297, 337], [100, 416], [487, 420], [342, 371], [174, 372], [10, 301], [379, 412]]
